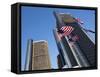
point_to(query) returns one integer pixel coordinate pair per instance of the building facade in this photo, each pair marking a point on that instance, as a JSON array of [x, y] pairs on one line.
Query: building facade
[[74, 45], [40, 56], [37, 56], [59, 62]]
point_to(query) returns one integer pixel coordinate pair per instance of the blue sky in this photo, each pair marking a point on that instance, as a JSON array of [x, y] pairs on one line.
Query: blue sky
[[38, 23]]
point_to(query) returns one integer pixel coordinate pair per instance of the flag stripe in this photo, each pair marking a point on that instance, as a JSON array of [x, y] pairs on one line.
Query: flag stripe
[[67, 29]]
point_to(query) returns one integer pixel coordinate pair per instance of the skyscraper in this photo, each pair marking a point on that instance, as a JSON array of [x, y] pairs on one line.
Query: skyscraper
[[74, 45], [40, 56], [37, 55], [59, 62]]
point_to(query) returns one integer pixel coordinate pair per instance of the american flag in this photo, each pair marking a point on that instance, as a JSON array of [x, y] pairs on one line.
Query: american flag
[[79, 20], [75, 38], [66, 30]]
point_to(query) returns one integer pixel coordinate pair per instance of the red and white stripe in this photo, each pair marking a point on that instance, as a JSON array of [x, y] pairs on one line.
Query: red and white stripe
[[67, 30]]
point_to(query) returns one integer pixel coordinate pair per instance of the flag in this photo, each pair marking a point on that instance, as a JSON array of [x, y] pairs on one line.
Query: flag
[[78, 20], [75, 38], [66, 30]]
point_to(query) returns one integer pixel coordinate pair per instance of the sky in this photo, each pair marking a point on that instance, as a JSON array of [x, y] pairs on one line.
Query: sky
[[38, 23]]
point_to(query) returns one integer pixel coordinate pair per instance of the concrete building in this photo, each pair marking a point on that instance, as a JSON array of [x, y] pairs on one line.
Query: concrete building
[[37, 55], [40, 56]]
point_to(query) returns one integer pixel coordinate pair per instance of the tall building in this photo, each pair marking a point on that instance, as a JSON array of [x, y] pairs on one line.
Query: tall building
[[37, 55], [74, 45], [40, 56], [59, 62]]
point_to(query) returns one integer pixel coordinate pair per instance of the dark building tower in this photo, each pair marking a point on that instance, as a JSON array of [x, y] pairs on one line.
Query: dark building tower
[[59, 62], [74, 45], [37, 57]]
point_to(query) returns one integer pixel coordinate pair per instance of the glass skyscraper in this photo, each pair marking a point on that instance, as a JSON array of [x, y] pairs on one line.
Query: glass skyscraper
[[75, 47]]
